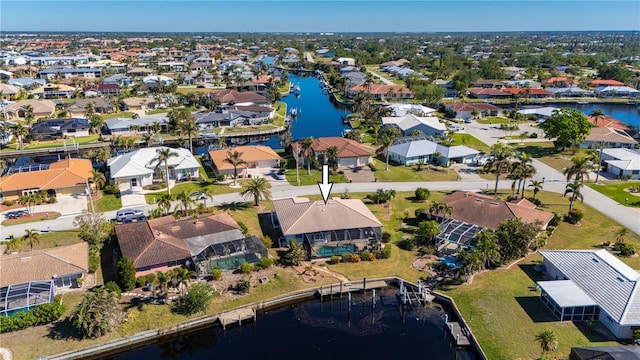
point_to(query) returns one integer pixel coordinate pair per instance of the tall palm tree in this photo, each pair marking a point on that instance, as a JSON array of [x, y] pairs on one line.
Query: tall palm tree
[[258, 188], [332, 153], [162, 280], [386, 142], [579, 169], [20, 131], [32, 237], [235, 159], [537, 186], [98, 179], [28, 114], [306, 150], [164, 202], [434, 208], [500, 161], [390, 195], [181, 277], [548, 340], [488, 248], [446, 209], [597, 114], [189, 128], [573, 189], [163, 155], [185, 202], [208, 193]]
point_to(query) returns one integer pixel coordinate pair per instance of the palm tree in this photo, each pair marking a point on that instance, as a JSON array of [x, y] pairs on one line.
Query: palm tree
[[390, 195], [548, 340], [20, 131], [434, 208], [446, 209], [235, 159], [190, 129], [579, 169], [500, 161], [487, 248], [181, 277], [306, 150], [386, 142], [185, 202], [28, 114], [162, 279], [162, 157], [332, 153], [573, 189], [537, 186], [597, 114], [98, 179], [258, 188], [32, 237], [164, 202], [621, 234], [208, 193]]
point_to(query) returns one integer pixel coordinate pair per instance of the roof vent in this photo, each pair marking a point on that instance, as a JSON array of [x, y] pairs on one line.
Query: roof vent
[[494, 203], [619, 278], [595, 260], [480, 200]]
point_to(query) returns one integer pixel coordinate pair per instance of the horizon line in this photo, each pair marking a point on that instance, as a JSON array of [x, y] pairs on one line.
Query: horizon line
[[315, 32]]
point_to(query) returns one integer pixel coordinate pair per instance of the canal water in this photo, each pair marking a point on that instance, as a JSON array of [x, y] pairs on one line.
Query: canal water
[[626, 113], [322, 330]]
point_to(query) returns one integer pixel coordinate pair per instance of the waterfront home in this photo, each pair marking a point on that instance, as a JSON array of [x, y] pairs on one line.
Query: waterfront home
[[61, 179], [616, 91], [127, 126], [488, 84], [381, 91], [609, 138], [412, 150], [68, 73], [79, 107], [233, 97], [428, 125], [528, 93], [465, 110], [234, 116], [597, 83], [27, 83], [63, 265], [591, 285], [541, 113], [206, 243], [53, 91], [522, 83], [609, 121], [259, 160], [487, 93], [138, 168], [51, 129], [561, 81], [622, 163], [350, 152], [572, 91], [402, 109], [118, 79], [339, 227]]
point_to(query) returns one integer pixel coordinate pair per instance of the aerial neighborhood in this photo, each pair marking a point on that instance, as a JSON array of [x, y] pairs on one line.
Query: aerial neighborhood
[[181, 172]]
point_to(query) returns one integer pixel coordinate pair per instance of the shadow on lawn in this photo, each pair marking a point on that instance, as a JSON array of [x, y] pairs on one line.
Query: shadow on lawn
[[535, 309], [267, 228], [63, 330], [538, 151]]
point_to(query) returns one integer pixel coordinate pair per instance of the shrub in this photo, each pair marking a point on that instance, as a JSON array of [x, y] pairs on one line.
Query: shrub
[[244, 228], [574, 216], [150, 278], [636, 334], [39, 315], [220, 178], [334, 259], [94, 263], [264, 263], [216, 274], [126, 274], [386, 237], [242, 286], [246, 268], [419, 213], [556, 219], [533, 135], [111, 190], [8, 203], [384, 253], [266, 241], [51, 200], [141, 281], [355, 258], [196, 300], [347, 257], [113, 287], [422, 194], [535, 201], [367, 256], [406, 244], [550, 229], [625, 249]]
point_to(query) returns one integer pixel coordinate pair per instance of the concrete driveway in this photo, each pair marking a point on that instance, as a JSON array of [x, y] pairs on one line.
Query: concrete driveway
[[131, 196]]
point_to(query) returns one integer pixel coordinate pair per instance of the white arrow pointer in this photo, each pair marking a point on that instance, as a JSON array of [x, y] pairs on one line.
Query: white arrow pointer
[[325, 186]]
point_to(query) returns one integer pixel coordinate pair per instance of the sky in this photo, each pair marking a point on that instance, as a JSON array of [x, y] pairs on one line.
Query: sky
[[318, 16]]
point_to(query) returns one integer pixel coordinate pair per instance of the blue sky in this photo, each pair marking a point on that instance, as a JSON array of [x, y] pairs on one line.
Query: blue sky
[[318, 16]]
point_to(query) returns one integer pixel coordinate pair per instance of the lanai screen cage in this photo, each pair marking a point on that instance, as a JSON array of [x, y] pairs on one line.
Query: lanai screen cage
[[455, 235], [338, 242], [228, 255], [21, 297]]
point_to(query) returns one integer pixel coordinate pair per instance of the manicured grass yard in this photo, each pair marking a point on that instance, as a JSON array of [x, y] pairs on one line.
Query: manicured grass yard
[[409, 173], [313, 179], [48, 215], [107, 203], [49, 240], [470, 141], [616, 191], [190, 187], [545, 152], [55, 143], [493, 120], [121, 114]]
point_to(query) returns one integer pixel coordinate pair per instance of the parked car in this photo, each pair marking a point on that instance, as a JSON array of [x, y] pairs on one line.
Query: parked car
[[198, 195], [454, 128], [280, 175], [128, 215]]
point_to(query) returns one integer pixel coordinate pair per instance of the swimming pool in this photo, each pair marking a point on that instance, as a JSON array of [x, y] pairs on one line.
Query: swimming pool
[[450, 261]]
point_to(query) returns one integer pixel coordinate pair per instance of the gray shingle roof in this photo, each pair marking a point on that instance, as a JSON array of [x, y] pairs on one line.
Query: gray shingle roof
[[607, 280]]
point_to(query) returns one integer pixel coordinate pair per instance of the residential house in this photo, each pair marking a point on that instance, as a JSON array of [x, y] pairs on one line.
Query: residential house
[[528, 93], [622, 163], [41, 108], [109, 89], [523, 83], [54, 91], [63, 265], [259, 160], [591, 285], [61, 179], [118, 79], [67, 73], [206, 243], [341, 226], [50, 129], [27, 83], [625, 352], [78, 108], [562, 81], [616, 91], [139, 167], [139, 104], [233, 97], [8, 92], [399, 62], [350, 153], [381, 91], [401, 109], [154, 80], [541, 113], [598, 83], [487, 93], [608, 138], [5, 75], [235, 116], [346, 61], [488, 84], [140, 72], [412, 150], [127, 126], [465, 110], [428, 125], [569, 92]]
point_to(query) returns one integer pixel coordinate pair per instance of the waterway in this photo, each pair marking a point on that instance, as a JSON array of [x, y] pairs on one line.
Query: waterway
[[626, 113], [321, 330]]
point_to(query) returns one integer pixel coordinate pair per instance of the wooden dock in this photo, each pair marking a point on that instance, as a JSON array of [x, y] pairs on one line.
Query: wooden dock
[[237, 316], [457, 334], [347, 287]]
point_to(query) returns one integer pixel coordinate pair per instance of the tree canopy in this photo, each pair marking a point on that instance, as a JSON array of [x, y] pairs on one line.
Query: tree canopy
[[568, 126]]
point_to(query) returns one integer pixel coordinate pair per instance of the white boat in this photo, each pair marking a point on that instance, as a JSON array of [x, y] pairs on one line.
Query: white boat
[[582, 102]]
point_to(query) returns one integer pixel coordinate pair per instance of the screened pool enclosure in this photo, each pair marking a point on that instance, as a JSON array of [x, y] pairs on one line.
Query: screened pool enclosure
[[22, 297], [228, 255], [339, 242]]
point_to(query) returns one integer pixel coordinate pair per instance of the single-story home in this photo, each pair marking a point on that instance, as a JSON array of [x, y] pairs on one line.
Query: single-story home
[[156, 79], [63, 178], [79, 106], [465, 110], [624, 352], [350, 152], [402, 109], [428, 125], [621, 162], [138, 103], [616, 91], [381, 91], [205, 243], [59, 128], [346, 61], [8, 91], [63, 264], [338, 227], [118, 79], [139, 168], [41, 108], [536, 93], [411, 150], [608, 138], [126, 126], [258, 158], [596, 83], [541, 113], [572, 91], [590, 285], [27, 83], [487, 93], [233, 97]]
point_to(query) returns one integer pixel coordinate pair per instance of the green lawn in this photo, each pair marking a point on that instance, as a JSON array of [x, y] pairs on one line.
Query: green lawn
[[186, 90], [399, 173], [493, 120], [107, 203], [49, 240], [616, 191], [56, 143], [49, 215], [121, 114], [192, 187], [470, 141], [313, 179], [157, 111]]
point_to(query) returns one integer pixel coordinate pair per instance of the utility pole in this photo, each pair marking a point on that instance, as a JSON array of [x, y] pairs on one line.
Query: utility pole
[[599, 161]]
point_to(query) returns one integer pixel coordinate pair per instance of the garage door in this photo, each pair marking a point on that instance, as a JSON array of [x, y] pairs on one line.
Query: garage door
[[349, 162]]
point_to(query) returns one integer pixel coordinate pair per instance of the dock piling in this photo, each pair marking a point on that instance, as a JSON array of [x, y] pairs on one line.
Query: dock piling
[[373, 298]]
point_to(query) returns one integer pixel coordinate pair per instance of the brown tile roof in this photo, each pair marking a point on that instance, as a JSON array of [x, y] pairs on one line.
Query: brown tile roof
[[249, 154], [381, 89], [229, 95], [608, 121], [346, 147], [40, 265], [485, 211], [472, 106], [161, 240], [611, 135], [595, 83], [61, 174], [40, 107], [301, 216], [487, 91]]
